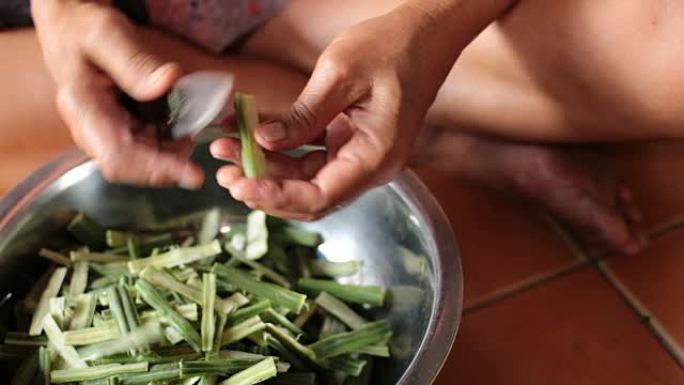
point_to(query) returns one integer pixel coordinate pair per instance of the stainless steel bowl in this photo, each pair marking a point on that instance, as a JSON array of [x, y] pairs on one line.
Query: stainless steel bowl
[[398, 230]]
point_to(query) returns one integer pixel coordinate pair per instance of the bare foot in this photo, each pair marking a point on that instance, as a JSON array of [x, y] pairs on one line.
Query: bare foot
[[580, 192]]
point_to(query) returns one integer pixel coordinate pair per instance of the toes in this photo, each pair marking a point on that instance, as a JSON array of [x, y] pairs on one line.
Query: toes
[[625, 203]]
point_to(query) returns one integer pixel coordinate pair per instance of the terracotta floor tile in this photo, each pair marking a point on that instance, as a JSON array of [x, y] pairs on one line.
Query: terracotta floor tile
[[502, 241], [655, 278], [653, 172], [575, 330]]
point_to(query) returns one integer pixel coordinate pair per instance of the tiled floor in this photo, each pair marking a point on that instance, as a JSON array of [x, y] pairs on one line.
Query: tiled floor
[[538, 313]]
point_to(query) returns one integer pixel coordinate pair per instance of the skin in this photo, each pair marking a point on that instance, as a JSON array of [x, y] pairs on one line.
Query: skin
[[505, 83]]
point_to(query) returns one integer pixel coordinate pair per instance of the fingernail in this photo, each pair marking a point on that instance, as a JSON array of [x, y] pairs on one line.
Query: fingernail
[[190, 180], [273, 132]]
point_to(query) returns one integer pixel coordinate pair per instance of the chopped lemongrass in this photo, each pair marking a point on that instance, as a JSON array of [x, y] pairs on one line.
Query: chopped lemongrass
[[93, 335], [271, 275], [154, 298], [95, 372], [219, 366], [79, 279], [116, 238], [55, 257], [376, 350], [348, 365], [136, 340], [130, 311], [291, 234], [276, 294], [167, 281], [86, 231], [117, 310], [242, 330], [68, 353], [255, 374], [339, 309], [23, 339], [211, 225], [208, 316], [257, 235], [249, 311], [84, 255], [273, 316], [253, 157], [302, 352], [294, 378], [364, 295], [304, 317], [350, 342], [335, 269], [51, 291], [176, 257]]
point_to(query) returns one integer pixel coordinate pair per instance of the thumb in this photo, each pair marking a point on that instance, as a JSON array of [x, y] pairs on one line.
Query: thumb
[[325, 96]]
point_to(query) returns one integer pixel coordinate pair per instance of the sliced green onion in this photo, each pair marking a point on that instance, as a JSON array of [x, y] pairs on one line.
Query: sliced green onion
[[276, 294], [364, 295], [253, 158], [272, 316]]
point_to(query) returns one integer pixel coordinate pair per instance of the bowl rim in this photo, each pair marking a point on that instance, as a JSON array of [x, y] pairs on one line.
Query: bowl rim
[[447, 304]]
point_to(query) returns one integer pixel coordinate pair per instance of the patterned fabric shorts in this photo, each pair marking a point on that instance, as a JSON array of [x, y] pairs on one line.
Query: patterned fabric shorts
[[213, 24]]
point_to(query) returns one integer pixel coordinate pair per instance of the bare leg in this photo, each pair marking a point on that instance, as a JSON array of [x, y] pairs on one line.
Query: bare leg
[[570, 184], [553, 71]]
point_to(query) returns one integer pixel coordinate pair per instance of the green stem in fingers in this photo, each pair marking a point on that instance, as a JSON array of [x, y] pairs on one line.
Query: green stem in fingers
[[208, 315], [253, 158], [346, 343], [255, 374], [364, 295], [276, 294], [154, 298]]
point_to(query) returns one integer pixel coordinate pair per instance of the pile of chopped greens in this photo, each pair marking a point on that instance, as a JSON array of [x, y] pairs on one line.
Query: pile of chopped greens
[[197, 303]]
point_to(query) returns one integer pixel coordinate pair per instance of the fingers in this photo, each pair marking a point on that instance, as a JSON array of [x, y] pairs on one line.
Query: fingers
[[353, 170], [279, 166], [111, 45], [101, 128], [329, 92]]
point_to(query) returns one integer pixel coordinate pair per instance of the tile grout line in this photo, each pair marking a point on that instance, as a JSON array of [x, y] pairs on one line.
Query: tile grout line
[[522, 286], [657, 329]]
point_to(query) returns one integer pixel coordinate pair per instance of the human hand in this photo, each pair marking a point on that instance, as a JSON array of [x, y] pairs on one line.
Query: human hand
[[367, 98], [92, 53]]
